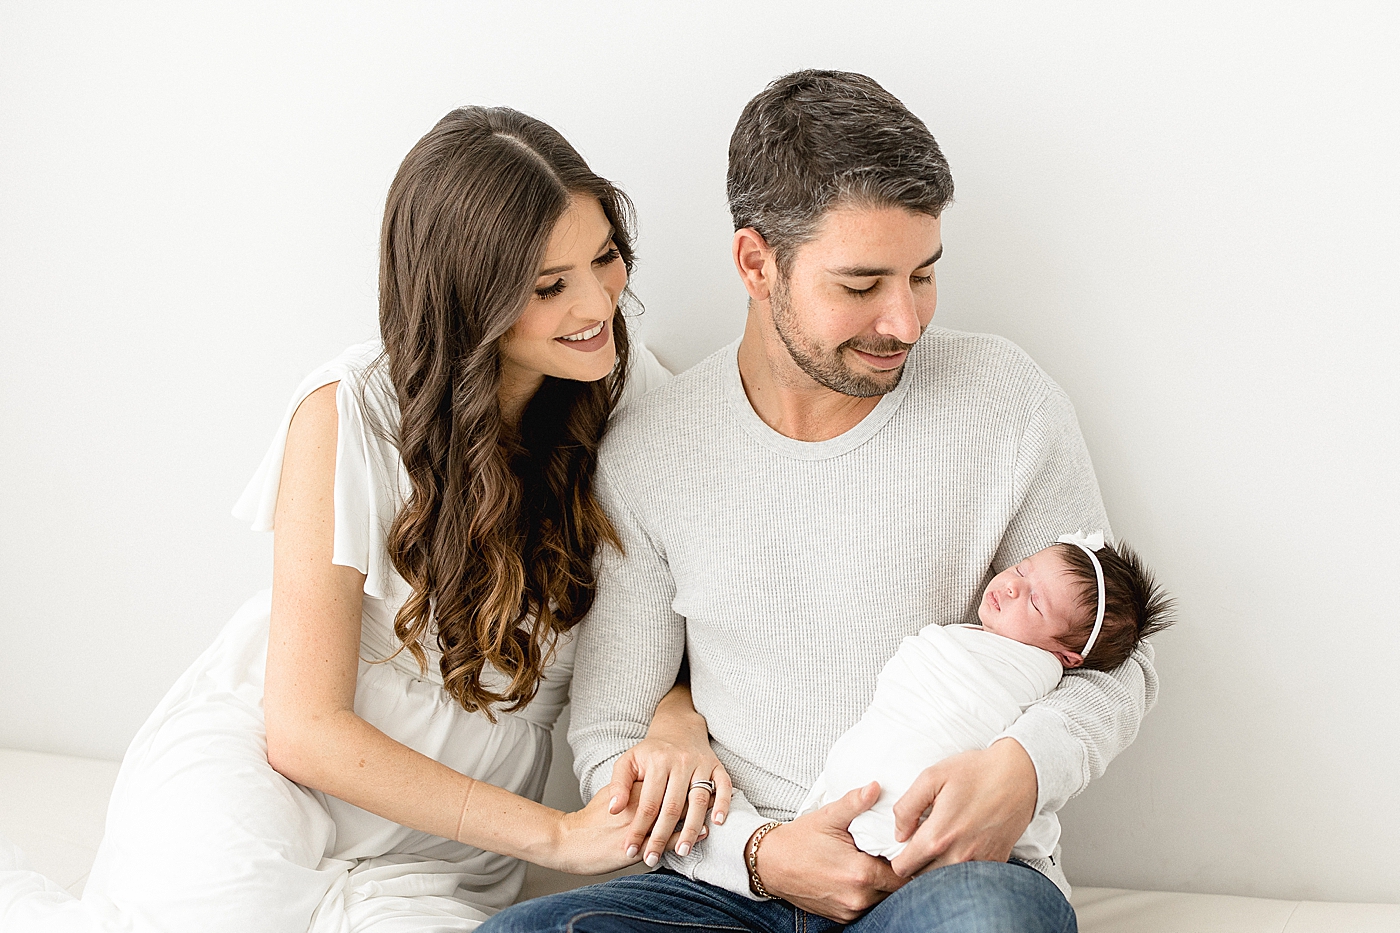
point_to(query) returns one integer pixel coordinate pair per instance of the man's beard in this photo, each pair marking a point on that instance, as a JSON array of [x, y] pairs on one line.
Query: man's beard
[[828, 367]]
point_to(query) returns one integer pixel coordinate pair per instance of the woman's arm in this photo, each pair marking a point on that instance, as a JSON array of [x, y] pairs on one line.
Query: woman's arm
[[314, 736]]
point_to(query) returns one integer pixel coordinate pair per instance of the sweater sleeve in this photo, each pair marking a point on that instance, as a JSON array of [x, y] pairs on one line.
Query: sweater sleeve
[[629, 650], [629, 645], [1080, 726]]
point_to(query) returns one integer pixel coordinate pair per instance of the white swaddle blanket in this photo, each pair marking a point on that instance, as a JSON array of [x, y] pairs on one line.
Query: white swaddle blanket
[[946, 690]]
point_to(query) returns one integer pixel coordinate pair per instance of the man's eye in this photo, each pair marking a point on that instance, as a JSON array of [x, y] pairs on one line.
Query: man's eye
[[922, 279], [860, 291]]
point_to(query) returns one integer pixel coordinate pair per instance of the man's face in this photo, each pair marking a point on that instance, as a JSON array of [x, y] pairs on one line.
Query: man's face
[[858, 296]]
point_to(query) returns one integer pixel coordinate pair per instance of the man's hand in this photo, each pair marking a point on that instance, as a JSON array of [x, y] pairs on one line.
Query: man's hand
[[813, 863], [978, 804]]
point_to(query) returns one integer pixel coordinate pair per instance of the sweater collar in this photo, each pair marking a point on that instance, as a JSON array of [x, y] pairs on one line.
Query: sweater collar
[[785, 446]]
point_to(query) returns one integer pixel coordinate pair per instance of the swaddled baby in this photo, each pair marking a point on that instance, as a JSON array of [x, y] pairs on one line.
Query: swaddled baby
[[951, 689]]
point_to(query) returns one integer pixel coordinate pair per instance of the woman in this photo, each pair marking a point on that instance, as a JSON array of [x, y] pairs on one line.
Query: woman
[[364, 747]]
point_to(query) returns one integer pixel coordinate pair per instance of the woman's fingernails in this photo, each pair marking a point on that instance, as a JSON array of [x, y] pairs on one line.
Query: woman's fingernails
[[652, 859], [632, 851], [704, 831], [718, 817], [683, 849], [612, 805]]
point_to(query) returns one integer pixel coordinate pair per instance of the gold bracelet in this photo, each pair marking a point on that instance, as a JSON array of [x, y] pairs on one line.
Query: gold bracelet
[[755, 884]]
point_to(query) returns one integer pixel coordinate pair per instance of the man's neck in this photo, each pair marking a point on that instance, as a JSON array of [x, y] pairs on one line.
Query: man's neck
[[787, 399]]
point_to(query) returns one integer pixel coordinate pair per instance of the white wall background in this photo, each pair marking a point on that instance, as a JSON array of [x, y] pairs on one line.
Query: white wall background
[[1185, 211]]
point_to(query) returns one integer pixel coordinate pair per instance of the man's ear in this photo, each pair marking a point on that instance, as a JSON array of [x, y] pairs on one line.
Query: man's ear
[[754, 260]]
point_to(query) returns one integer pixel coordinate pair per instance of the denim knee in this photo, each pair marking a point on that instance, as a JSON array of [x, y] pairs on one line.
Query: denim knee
[[534, 916], [974, 897], [656, 902]]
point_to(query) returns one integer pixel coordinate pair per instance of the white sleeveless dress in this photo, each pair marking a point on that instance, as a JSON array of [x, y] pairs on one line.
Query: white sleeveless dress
[[203, 836]]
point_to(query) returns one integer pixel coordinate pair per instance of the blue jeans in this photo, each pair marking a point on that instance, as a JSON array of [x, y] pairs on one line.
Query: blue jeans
[[974, 897]]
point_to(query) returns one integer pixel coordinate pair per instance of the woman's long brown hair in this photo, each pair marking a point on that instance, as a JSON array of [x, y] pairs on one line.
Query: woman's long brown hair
[[498, 534]]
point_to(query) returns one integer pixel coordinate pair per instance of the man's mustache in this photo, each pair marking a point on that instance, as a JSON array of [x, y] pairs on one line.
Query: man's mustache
[[880, 346]]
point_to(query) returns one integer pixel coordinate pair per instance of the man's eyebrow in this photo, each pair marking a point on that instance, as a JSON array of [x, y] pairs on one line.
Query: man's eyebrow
[[870, 272], [555, 270]]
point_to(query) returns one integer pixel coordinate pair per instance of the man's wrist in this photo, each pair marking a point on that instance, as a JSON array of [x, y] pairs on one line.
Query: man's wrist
[[1019, 761], [751, 858]]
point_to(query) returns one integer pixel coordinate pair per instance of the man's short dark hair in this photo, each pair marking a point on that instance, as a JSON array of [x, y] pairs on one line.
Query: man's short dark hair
[[815, 140]]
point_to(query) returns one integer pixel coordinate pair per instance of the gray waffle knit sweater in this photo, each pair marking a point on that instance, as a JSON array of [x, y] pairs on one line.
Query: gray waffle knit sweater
[[788, 572]]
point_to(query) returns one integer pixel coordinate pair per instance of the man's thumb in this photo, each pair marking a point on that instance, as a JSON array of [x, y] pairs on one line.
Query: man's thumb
[[852, 804]]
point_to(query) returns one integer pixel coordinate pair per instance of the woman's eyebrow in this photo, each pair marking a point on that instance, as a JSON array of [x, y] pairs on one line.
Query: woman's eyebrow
[[555, 270]]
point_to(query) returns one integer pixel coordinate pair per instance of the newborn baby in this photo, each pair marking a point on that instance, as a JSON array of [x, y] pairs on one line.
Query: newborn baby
[[1077, 603]]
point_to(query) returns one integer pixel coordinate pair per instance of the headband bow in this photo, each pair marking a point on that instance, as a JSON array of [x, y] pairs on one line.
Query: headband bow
[[1089, 543]]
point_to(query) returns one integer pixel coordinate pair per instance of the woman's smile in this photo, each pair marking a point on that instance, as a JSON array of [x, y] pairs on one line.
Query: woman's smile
[[589, 339]]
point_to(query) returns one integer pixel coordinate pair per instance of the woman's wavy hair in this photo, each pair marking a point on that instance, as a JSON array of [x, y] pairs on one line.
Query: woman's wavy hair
[[497, 537]]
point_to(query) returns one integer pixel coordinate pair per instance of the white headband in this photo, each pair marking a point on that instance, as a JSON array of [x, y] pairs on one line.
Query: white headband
[[1089, 544]]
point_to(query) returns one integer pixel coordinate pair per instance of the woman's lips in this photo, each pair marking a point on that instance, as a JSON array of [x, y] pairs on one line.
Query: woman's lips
[[596, 342]]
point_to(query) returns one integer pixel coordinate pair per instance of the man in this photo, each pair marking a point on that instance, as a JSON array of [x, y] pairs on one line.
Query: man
[[791, 508]]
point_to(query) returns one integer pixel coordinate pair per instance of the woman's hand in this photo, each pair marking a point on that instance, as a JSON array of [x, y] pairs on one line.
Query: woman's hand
[[590, 841], [656, 778]]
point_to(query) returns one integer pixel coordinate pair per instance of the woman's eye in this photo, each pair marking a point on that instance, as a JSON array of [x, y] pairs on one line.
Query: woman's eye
[[551, 291], [611, 256]]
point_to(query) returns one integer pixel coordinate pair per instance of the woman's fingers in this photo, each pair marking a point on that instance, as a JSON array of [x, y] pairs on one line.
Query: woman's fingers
[[623, 776], [650, 799], [672, 809], [697, 804], [724, 793]]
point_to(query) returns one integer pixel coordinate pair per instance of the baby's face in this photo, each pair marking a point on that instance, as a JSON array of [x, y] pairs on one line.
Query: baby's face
[[1035, 602]]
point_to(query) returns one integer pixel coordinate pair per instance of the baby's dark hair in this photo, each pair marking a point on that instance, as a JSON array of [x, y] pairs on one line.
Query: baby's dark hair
[[1135, 607]]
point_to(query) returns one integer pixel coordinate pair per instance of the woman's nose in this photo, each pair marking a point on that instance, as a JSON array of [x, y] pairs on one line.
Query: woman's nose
[[598, 304]]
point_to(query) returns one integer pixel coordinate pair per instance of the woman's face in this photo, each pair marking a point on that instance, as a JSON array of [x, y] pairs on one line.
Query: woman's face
[[566, 330]]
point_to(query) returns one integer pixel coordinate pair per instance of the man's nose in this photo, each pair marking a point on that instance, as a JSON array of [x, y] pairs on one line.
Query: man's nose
[[899, 317]]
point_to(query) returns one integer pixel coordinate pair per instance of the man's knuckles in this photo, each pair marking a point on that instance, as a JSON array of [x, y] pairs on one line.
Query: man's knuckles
[[857, 880], [855, 903]]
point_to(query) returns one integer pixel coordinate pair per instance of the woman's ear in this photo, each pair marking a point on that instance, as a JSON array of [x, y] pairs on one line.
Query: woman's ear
[[754, 260]]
